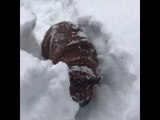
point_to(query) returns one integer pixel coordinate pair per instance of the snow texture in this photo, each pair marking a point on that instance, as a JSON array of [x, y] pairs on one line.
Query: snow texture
[[44, 92], [28, 41], [113, 27]]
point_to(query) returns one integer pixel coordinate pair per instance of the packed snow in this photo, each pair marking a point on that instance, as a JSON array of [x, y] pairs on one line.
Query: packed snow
[[113, 27], [44, 93]]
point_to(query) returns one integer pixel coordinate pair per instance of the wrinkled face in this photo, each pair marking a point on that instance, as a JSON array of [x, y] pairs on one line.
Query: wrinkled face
[[81, 95], [81, 90]]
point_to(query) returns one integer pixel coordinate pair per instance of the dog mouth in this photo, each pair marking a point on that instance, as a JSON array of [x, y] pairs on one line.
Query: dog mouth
[[82, 103]]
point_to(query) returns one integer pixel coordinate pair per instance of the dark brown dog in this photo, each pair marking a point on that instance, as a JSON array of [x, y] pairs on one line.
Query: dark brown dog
[[66, 42]]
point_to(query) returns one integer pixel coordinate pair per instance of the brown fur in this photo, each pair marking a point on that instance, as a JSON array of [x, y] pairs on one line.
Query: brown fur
[[62, 42]]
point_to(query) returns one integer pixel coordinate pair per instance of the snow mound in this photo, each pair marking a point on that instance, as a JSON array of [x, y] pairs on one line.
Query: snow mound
[[112, 98], [28, 41], [44, 90]]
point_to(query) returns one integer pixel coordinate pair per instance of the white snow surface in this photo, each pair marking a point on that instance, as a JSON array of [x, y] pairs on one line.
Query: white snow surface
[[44, 93], [28, 40], [113, 27]]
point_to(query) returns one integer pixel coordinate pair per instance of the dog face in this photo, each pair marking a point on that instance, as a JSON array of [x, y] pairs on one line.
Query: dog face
[[81, 90]]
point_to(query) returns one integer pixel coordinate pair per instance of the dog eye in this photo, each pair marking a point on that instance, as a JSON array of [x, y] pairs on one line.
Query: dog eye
[[93, 81]]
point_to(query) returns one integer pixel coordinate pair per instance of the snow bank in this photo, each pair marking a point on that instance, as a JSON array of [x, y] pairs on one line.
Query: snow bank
[[112, 100], [120, 19], [28, 41], [48, 13], [44, 90]]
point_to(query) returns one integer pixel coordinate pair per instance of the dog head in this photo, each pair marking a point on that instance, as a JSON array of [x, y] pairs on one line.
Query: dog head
[[81, 90]]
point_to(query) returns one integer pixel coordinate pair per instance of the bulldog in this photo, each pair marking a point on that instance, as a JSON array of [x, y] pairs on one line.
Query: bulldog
[[66, 42]]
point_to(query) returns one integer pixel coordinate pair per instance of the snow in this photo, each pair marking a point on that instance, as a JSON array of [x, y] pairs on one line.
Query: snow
[[113, 27], [28, 41], [44, 93]]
